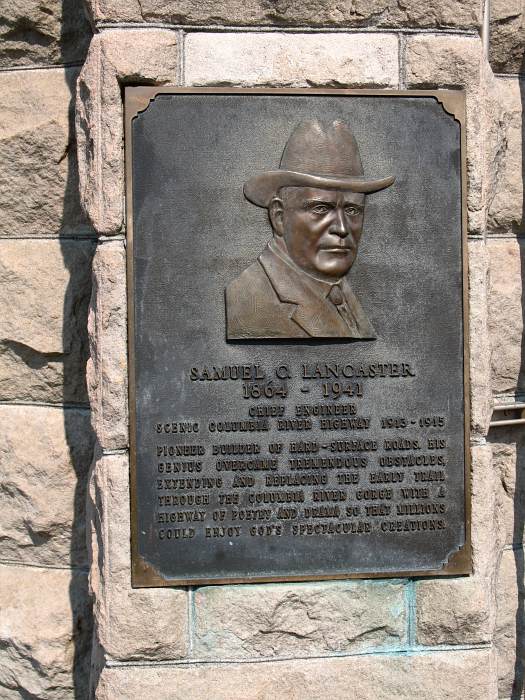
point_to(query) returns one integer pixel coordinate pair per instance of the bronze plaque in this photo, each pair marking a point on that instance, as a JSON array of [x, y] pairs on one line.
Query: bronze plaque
[[298, 384]]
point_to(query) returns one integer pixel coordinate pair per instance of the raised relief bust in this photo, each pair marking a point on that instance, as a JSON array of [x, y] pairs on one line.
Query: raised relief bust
[[298, 287]]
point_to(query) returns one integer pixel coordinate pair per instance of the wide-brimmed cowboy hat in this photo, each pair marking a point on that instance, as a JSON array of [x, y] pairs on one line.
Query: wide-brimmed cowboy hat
[[319, 155]]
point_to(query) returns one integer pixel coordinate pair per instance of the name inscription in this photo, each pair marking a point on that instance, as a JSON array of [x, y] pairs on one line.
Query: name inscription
[[366, 474]]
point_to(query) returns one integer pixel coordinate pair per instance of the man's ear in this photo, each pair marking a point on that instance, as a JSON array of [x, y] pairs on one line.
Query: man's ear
[[275, 212]]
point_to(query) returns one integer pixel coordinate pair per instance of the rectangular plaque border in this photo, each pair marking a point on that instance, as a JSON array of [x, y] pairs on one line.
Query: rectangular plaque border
[[136, 100]]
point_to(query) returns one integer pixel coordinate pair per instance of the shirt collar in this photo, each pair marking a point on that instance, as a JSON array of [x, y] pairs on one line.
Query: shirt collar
[[319, 286]]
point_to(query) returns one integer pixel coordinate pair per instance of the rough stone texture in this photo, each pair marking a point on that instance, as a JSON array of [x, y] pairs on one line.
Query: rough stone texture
[[27, 375], [143, 623], [505, 210], [453, 611], [242, 622], [433, 62], [38, 164], [468, 675], [45, 455], [483, 519], [507, 36], [337, 60], [50, 32], [510, 624], [115, 58], [44, 294], [465, 14], [480, 357], [506, 314], [29, 269], [108, 364], [508, 450], [245, 621], [45, 633]]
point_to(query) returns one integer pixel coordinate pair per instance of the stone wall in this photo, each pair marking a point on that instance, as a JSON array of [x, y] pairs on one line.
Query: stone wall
[[411, 638], [450, 638], [46, 444], [505, 231]]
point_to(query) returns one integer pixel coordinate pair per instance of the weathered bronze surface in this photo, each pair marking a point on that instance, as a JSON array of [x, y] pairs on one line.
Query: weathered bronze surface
[[316, 200], [315, 425]]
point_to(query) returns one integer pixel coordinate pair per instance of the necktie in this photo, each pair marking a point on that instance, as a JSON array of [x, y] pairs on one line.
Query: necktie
[[336, 297]]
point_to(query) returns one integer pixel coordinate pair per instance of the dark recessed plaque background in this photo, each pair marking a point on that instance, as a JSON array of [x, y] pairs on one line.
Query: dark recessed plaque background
[[191, 232]]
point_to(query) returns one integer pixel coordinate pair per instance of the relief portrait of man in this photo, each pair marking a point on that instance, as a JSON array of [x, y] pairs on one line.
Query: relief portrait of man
[[298, 287]]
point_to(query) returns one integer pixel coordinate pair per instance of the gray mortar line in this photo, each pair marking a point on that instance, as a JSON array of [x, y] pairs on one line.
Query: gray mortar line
[[54, 567], [510, 396], [42, 66], [485, 28], [182, 58], [45, 404], [401, 60], [493, 235], [111, 239], [322, 29], [51, 237], [191, 619], [410, 595], [401, 651], [513, 76]]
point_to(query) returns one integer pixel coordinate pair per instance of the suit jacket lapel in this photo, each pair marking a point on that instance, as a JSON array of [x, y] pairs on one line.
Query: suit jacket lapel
[[365, 328], [313, 313]]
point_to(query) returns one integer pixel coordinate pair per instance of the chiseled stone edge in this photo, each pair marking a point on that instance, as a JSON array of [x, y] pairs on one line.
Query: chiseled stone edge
[[505, 206], [485, 539], [481, 400], [131, 623], [116, 57], [509, 622], [107, 367], [460, 610], [435, 61], [506, 265], [466, 674]]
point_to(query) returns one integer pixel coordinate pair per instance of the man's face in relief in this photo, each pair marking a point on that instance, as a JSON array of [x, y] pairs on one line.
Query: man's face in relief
[[319, 229]]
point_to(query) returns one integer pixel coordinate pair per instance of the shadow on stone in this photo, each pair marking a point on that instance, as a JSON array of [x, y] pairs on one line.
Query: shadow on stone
[[81, 606], [519, 513]]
